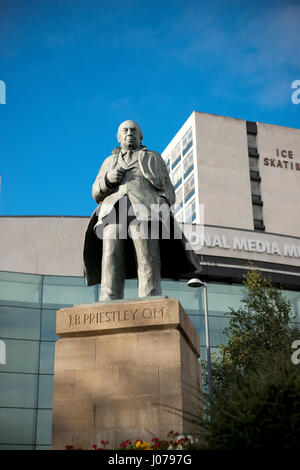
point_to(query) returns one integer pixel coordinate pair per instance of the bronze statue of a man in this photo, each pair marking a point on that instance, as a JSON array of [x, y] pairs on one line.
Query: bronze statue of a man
[[134, 194]]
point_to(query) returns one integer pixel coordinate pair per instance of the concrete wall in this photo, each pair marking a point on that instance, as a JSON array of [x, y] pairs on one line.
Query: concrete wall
[[42, 245], [223, 171], [54, 245], [280, 187]]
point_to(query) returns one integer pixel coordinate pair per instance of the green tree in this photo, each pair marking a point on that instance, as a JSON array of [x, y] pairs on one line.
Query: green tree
[[256, 401]]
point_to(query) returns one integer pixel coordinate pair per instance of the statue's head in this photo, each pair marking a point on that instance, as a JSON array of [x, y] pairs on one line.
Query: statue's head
[[129, 135]]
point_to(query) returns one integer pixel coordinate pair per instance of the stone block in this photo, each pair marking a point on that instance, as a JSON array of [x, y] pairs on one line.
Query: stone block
[[138, 380], [63, 388], [156, 347], [71, 416], [170, 377], [97, 382], [116, 349], [75, 353], [120, 372], [61, 439]]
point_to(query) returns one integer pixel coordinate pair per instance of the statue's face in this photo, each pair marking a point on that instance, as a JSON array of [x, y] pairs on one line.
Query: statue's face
[[129, 135]]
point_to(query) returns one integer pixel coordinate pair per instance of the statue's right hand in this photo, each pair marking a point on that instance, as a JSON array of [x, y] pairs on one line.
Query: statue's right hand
[[115, 176]]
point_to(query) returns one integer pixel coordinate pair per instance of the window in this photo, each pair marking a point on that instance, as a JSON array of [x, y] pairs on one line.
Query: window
[[176, 155], [190, 212], [255, 187], [177, 177], [187, 141], [179, 199], [252, 151], [256, 199], [257, 211], [251, 140], [259, 224], [188, 164], [253, 163], [179, 214], [254, 175], [177, 209], [189, 188]]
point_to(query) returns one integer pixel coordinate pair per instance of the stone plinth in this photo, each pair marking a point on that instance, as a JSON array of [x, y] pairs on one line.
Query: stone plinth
[[117, 365]]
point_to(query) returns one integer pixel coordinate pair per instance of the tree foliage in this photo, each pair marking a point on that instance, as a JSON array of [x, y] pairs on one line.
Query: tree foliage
[[256, 401]]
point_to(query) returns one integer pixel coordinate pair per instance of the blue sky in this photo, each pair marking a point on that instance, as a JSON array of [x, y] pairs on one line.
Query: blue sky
[[75, 69]]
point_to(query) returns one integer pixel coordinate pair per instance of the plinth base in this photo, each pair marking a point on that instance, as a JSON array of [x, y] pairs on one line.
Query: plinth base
[[118, 367]]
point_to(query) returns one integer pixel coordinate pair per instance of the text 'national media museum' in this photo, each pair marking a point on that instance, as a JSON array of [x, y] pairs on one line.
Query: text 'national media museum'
[[239, 179]]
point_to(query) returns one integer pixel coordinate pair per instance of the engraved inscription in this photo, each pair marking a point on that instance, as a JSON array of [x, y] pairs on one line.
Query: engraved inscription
[[115, 316]]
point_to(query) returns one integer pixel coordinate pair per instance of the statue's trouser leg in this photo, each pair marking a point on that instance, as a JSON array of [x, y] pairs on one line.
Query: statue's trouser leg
[[148, 261], [113, 264]]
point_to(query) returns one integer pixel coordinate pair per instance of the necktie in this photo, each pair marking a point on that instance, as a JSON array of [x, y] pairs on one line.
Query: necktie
[[129, 157]]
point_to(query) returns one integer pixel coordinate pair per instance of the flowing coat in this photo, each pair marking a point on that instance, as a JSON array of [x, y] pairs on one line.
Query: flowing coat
[[177, 257]]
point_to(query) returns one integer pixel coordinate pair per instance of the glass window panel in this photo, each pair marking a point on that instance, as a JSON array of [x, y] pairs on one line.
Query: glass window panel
[[47, 357], [176, 211], [214, 352], [45, 394], [18, 390], [187, 141], [18, 322], [17, 426], [48, 330], [221, 296], [177, 175], [294, 298], [257, 211], [179, 200], [131, 289], [21, 356], [16, 447], [179, 215], [216, 327], [179, 196], [189, 298], [177, 185], [189, 187], [61, 291], [190, 212], [16, 288], [253, 162], [251, 140], [176, 155], [255, 187], [44, 427], [188, 164]]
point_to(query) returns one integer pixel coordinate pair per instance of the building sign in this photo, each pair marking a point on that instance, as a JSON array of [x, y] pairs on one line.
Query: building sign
[[283, 159], [251, 245]]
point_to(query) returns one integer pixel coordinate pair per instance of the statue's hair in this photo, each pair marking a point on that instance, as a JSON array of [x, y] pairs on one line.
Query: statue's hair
[[136, 124]]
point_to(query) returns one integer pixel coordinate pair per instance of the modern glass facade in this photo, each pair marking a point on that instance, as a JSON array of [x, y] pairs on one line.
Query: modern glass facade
[[28, 305]]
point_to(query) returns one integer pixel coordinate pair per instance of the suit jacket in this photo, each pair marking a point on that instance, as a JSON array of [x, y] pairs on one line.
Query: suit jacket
[[158, 183]]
